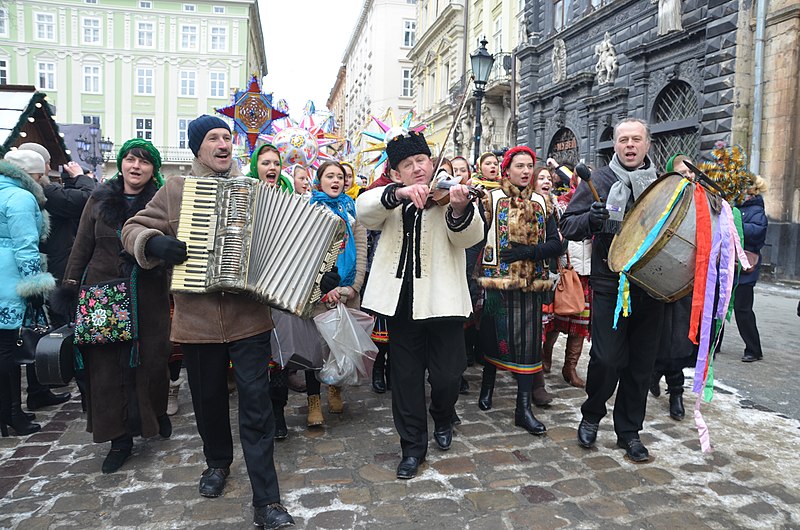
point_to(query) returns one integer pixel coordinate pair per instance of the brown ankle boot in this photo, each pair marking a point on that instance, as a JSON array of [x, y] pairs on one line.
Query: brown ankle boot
[[540, 395], [315, 417], [335, 403], [571, 356], [547, 350]]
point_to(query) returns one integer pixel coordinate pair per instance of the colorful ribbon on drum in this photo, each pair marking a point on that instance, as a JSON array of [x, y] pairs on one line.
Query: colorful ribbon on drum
[[715, 269], [624, 291], [717, 252]]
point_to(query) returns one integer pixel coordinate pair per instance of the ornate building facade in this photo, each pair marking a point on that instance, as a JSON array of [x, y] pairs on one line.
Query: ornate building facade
[[439, 62], [502, 23], [135, 67], [685, 67]]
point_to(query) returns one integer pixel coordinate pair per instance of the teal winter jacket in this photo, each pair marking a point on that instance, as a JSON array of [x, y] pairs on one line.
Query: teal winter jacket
[[23, 225]]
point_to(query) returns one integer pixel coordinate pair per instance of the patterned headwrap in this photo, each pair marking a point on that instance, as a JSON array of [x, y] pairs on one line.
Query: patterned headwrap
[[352, 192], [511, 153], [155, 157]]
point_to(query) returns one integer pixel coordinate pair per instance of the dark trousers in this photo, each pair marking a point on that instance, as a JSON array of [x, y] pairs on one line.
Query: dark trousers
[[625, 356], [746, 320], [206, 368], [437, 346]]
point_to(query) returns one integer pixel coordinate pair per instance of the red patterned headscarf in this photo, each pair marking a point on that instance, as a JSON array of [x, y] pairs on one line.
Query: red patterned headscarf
[[511, 153]]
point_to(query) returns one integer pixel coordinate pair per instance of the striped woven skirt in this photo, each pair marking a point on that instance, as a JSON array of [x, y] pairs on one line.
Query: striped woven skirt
[[511, 331]]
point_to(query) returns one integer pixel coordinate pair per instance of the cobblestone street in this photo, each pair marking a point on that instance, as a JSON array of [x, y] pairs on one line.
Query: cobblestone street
[[495, 476]]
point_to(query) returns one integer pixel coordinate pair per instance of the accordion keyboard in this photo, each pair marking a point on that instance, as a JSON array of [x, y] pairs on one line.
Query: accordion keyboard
[[196, 225]]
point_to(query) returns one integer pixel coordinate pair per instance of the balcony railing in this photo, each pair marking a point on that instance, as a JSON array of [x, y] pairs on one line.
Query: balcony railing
[[178, 155], [501, 68], [500, 73]]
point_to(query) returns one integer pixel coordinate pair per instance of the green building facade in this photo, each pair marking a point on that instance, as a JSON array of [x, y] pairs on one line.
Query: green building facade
[[136, 67]]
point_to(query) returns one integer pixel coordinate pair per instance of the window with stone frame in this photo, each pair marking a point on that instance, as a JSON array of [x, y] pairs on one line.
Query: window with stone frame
[[408, 83], [561, 10], [218, 85], [45, 26], [144, 128], [3, 71], [183, 135], [189, 37], [409, 33], [219, 38], [3, 22], [91, 31], [675, 123]]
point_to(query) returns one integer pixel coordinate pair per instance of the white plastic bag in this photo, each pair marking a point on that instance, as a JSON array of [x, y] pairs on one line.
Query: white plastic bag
[[347, 333]]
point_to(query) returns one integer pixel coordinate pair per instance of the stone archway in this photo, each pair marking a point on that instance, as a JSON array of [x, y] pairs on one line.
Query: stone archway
[[564, 147]]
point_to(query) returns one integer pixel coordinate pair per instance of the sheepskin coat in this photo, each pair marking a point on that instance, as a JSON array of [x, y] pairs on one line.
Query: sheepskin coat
[[516, 216], [122, 400], [440, 285], [209, 318], [23, 225]]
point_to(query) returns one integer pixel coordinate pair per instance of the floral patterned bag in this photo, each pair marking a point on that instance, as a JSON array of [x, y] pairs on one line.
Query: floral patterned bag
[[106, 312]]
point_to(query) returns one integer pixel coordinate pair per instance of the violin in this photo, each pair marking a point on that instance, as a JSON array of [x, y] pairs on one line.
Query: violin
[[440, 188]]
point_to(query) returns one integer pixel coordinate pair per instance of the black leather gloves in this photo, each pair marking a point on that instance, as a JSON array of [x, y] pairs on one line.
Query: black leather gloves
[[330, 280], [518, 252], [171, 250], [597, 216]]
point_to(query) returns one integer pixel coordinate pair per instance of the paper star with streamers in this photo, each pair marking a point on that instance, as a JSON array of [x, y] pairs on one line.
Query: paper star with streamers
[[380, 139], [252, 113]]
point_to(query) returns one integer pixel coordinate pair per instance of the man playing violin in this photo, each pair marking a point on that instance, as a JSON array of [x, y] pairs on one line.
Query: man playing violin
[[418, 282]]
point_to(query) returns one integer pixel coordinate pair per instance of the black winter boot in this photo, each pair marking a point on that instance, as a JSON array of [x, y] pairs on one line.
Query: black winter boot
[[378, 372], [675, 389], [487, 387], [523, 416]]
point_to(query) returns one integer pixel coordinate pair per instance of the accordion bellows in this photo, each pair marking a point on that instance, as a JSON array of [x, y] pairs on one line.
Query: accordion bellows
[[244, 236]]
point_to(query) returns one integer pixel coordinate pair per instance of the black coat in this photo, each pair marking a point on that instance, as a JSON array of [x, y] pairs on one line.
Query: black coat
[[754, 226], [575, 227], [65, 205]]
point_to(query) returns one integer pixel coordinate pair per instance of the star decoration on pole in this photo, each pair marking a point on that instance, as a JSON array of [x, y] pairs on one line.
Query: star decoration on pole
[[252, 113]]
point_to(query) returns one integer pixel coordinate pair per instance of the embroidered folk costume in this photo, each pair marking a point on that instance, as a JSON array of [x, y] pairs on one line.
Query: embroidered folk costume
[[513, 270]]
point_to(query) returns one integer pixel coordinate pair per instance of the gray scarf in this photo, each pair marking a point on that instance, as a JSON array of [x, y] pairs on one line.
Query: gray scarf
[[629, 182]]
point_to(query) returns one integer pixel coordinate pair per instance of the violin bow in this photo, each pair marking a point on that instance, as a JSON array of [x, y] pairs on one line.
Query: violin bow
[[450, 132]]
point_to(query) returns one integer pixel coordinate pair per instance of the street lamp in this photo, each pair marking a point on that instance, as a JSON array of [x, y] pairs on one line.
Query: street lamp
[[93, 150], [482, 62]]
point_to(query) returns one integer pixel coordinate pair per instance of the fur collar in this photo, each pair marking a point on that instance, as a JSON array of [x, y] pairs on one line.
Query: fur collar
[[26, 182], [513, 191], [112, 206]]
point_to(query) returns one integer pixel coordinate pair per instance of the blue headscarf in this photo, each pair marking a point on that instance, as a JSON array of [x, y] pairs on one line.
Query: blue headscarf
[[342, 206]]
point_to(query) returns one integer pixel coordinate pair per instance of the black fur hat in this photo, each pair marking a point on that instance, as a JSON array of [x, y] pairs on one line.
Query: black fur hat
[[405, 145]]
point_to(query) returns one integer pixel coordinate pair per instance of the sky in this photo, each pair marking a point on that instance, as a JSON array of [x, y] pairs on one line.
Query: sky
[[304, 42]]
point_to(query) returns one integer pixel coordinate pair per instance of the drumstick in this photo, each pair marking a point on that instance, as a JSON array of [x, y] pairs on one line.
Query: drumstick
[[585, 174]]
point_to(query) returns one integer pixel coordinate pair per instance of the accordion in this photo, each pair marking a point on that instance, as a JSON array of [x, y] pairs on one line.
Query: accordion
[[244, 236]]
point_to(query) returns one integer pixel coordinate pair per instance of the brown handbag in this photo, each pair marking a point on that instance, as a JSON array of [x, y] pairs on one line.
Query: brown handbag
[[753, 258], [569, 299]]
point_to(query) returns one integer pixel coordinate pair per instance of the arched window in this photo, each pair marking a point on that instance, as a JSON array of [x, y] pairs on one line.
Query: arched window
[[564, 147], [605, 147], [675, 123]]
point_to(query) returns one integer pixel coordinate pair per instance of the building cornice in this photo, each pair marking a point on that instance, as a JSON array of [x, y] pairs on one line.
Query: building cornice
[[613, 11], [337, 86], [362, 18], [670, 40], [570, 84]]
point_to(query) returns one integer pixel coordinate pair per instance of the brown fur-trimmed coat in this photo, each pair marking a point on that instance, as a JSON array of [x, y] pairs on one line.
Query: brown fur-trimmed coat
[[529, 220]]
